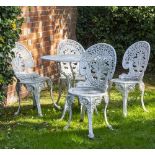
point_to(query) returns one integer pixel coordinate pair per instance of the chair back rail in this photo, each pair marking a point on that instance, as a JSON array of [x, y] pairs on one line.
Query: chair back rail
[[98, 65], [69, 46], [136, 59], [23, 60]]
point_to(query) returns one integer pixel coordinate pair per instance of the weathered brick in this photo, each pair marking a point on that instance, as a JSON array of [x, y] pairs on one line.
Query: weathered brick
[[43, 28]]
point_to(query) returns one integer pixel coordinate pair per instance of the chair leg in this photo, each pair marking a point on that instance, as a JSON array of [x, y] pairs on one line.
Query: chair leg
[[82, 112], [69, 98], [60, 91], [69, 102], [37, 99], [50, 85], [34, 101], [125, 98], [64, 111], [18, 89], [125, 88], [96, 111], [83, 109], [142, 89], [90, 110], [88, 103], [106, 98], [91, 134]]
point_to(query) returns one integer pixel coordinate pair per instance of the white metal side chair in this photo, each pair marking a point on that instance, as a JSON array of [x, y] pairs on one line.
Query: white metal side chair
[[97, 65], [22, 65], [135, 60], [70, 70]]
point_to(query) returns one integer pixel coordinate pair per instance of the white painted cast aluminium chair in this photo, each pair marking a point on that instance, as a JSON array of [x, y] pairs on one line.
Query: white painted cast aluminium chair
[[22, 65], [135, 60], [98, 66]]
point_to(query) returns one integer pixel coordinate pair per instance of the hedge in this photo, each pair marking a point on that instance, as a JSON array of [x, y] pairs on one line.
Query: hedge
[[118, 26], [10, 23]]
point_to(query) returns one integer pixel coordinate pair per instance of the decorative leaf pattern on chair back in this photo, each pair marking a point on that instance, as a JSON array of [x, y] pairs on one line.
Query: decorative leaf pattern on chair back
[[98, 65], [69, 46], [23, 59], [136, 59]]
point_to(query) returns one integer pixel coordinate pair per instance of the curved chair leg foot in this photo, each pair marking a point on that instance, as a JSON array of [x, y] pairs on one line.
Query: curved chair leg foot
[[57, 106], [106, 98], [19, 109], [142, 89], [17, 112], [40, 115], [50, 85]]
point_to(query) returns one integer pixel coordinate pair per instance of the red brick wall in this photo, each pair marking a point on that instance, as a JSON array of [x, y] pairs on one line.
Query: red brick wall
[[43, 28]]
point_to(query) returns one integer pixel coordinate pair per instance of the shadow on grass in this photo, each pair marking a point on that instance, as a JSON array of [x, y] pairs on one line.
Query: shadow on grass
[[30, 131], [129, 133]]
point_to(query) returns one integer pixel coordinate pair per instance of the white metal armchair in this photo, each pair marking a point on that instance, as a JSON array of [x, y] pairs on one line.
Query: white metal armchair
[[22, 65], [135, 59], [98, 66]]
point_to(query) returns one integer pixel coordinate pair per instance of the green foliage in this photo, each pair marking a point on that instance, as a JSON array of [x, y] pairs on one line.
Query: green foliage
[[10, 24], [118, 26]]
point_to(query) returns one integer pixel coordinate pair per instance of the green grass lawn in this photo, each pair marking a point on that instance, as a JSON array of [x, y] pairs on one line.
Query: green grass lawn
[[29, 131]]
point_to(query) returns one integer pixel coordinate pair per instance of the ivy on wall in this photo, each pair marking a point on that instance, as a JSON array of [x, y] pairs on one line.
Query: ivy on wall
[[118, 26], [10, 23]]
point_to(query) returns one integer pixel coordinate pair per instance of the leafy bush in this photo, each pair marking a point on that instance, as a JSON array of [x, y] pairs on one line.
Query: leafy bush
[[118, 26], [10, 24]]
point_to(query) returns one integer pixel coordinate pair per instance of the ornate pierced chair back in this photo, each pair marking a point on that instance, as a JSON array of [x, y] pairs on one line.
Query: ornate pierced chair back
[[136, 59], [23, 60], [98, 65], [69, 46]]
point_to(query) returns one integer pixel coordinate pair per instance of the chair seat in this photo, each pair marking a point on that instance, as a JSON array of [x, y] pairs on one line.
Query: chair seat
[[31, 78], [86, 91], [125, 81]]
